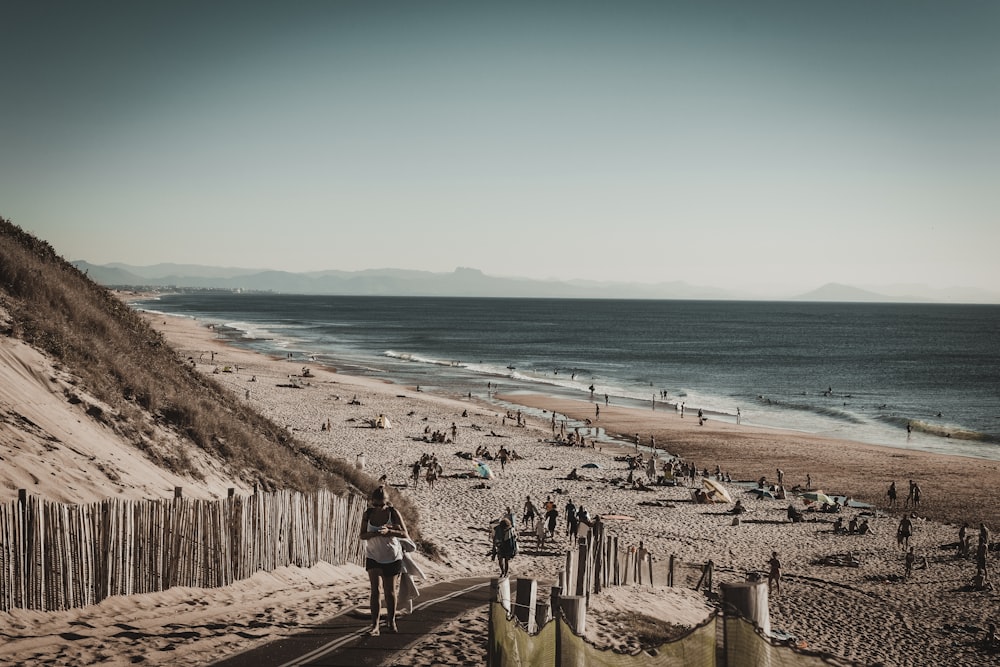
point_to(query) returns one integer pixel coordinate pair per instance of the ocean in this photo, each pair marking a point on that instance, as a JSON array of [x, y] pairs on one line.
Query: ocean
[[857, 371]]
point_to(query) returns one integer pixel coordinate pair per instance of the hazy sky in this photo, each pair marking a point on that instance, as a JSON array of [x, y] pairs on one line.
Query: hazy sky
[[743, 144]]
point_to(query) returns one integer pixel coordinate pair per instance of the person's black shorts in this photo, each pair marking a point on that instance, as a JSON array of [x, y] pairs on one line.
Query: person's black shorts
[[388, 569]]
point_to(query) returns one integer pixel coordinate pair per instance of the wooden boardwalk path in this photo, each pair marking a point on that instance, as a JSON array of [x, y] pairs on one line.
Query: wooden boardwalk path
[[343, 641]]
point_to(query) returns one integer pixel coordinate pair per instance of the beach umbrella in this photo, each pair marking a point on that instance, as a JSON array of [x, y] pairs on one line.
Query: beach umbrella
[[716, 492], [483, 470], [762, 494], [817, 497]]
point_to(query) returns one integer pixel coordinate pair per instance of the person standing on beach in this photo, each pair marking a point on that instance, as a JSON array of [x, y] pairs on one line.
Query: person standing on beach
[[382, 528], [963, 541], [916, 495], [774, 574], [904, 532], [504, 545], [891, 494], [571, 527], [738, 416], [551, 518], [909, 495], [981, 554], [910, 558], [530, 512]]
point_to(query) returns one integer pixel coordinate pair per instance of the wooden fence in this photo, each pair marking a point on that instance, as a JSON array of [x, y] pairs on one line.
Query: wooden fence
[[55, 556]]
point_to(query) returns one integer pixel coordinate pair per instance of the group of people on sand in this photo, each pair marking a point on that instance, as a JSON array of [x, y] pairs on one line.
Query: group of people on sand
[[432, 466], [440, 436], [912, 497]]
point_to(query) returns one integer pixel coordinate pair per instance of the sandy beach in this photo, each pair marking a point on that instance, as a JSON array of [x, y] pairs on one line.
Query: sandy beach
[[867, 613]]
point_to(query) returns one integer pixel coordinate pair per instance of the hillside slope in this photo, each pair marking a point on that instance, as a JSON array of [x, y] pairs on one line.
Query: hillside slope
[[55, 444], [95, 403]]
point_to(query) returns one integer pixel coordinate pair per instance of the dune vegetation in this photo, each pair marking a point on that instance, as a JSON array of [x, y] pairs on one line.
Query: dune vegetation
[[146, 387]]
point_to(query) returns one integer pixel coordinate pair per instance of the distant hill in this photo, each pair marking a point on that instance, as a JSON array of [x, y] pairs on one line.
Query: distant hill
[[396, 282], [847, 293], [473, 282]]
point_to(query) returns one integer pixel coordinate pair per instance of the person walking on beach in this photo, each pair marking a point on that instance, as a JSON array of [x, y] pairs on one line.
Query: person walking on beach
[[738, 416], [530, 512], [909, 495], [891, 494], [916, 495], [382, 528], [963, 541], [981, 554], [551, 518], [904, 532], [571, 523], [504, 545], [774, 574]]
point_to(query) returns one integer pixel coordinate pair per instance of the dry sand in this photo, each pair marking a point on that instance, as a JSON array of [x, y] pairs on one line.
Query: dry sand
[[866, 613]]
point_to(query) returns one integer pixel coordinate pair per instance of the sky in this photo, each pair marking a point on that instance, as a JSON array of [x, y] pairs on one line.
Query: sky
[[755, 145]]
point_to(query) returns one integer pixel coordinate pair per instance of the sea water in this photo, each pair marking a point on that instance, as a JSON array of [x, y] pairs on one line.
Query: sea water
[[863, 372]]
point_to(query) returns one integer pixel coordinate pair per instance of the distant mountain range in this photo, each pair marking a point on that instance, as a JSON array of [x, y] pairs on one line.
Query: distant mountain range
[[473, 282]]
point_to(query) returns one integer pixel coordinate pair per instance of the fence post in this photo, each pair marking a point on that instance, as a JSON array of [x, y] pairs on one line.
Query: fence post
[[555, 595], [750, 599], [524, 607], [598, 550], [616, 573], [670, 572], [494, 596], [575, 608], [581, 566], [24, 558], [178, 492]]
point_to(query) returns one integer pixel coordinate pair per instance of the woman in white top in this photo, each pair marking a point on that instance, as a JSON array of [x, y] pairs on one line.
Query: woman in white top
[[381, 528]]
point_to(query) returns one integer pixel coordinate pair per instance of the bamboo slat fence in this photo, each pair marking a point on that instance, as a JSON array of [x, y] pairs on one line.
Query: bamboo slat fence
[[55, 556]]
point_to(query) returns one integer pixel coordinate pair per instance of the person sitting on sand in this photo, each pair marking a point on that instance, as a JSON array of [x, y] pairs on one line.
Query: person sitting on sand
[[838, 525], [864, 528], [738, 508], [794, 515]]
